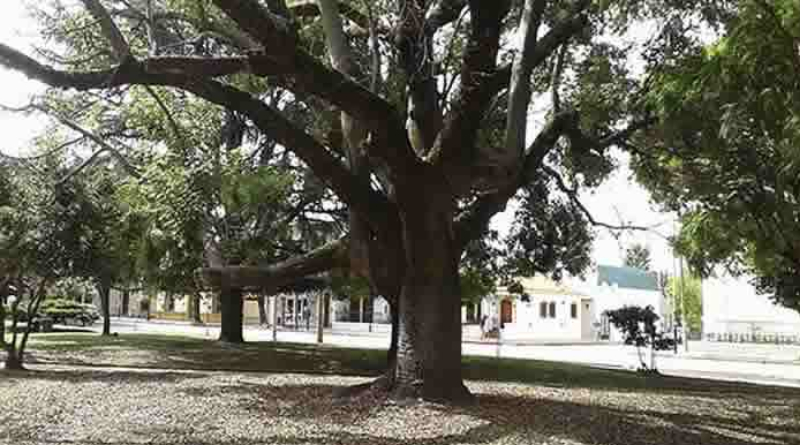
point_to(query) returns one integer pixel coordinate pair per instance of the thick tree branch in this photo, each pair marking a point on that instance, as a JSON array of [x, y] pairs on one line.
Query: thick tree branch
[[545, 47], [324, 164], [445, 11], [454, 149], [306, 74], [309, 8], [119, 46], [361, 198], [415, 46], [520, 87], [268, 279], [555, 81], [474, 220]]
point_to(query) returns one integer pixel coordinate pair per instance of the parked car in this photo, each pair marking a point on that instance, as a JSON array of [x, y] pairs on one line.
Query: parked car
[[64, 311]]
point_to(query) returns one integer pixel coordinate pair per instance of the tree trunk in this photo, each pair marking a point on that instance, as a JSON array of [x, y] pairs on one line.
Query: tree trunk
[[391, 355], [2, 317], [262, 311], [231, 303], [13, 360], [194, 308], [429, 334], [215, 304], [126, 302], [105, 290]]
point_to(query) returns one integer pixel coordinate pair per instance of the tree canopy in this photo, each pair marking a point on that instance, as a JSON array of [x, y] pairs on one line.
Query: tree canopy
[[725, 153], [412, 114]]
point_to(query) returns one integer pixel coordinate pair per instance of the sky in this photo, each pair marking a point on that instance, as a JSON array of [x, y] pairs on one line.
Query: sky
[[619, 200]]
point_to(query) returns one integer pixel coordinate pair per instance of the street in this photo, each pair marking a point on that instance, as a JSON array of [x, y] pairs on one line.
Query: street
[[754, 363]]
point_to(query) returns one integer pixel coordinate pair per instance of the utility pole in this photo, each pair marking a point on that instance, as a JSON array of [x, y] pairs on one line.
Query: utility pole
[[684, 321]]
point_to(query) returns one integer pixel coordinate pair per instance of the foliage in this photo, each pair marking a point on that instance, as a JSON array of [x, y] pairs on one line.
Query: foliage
[[638, 257], [689, 297], [42, 238], [638, 326], [71, 288], [549, 236], [725, 150], [414, 139], [480, 270]]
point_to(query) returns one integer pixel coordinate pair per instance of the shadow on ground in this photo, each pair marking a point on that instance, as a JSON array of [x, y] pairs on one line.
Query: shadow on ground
[[518, 401]]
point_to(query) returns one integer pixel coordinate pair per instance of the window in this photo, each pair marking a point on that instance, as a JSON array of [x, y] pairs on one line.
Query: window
[[552, 309], [542, 310], [573, 310]]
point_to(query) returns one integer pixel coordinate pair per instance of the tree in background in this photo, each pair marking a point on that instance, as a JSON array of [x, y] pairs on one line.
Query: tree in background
[[424, 125], [41, 237], [724, 153], [638, 257], [687, 299], [638, 327]]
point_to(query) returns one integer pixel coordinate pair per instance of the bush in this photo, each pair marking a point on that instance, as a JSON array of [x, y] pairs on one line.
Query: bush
[[638, 325]]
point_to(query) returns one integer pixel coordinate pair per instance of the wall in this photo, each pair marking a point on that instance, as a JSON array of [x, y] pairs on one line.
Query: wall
[[528, 323], [732, 306]]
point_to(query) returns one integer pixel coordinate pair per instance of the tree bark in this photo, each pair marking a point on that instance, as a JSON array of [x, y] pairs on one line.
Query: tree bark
[[391, 355], [231, 303], [126, 302], [2, 314], [194, 308], [104, 289], [13, 360], [262, 311], [429, 338]]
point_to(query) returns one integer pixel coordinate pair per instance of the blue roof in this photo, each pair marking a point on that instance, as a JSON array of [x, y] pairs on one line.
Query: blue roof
[[627, 278]]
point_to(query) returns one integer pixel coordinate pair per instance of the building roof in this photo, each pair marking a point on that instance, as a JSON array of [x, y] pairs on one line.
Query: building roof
[[540, 285], [627, 278]]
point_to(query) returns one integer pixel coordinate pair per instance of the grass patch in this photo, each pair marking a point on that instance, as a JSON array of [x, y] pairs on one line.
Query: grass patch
[[179, 352], [174, 352]]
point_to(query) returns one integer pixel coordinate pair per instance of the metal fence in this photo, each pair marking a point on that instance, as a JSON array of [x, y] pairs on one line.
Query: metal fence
[[757, 337]]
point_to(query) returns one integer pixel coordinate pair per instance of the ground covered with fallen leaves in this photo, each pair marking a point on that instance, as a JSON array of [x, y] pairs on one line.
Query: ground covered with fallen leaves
[[519, 402]]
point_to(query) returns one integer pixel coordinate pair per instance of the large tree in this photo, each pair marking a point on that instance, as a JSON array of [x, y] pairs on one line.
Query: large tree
[[431, 142], [725, 152]]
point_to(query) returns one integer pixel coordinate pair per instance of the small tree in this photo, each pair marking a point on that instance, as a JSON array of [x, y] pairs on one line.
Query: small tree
[[687, 296], [39, 233], [638, 325]]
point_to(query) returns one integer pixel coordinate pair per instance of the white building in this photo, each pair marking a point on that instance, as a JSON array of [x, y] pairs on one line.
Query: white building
[[731, 306], [359, 310], [572, 310], [358, 315], [545, 311]]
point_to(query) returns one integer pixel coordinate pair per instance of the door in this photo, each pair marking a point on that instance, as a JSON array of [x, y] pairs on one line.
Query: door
[[587, 317], [506, 312]]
